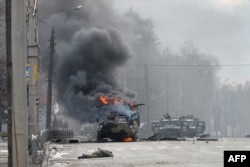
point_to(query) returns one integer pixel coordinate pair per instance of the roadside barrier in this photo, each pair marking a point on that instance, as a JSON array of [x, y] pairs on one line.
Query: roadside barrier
[[54, 134]]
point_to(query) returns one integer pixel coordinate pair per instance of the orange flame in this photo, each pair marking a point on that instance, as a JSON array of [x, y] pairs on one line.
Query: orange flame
[[111, 100], [118, 100], [128, 139], [104, 100]]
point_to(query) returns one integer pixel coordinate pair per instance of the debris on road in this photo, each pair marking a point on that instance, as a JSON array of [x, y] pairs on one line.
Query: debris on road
[[154, 138], [207, 139], [98, 154], [205, 135]]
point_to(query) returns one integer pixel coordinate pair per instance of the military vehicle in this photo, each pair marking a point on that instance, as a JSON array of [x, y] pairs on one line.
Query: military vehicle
[[167, 128], [191, 127], [119, 122], [185, 126], [155, 126]]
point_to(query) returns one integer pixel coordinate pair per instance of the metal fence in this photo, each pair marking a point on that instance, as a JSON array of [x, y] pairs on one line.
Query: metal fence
[[53, 134]]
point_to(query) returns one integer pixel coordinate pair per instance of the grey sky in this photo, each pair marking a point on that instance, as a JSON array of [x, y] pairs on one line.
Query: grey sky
[[218, 27]]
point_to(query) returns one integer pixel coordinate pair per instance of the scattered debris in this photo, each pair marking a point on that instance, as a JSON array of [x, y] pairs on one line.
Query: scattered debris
[[98, 154], [207, 139], [74, 139], [206, 135], [154, 138]]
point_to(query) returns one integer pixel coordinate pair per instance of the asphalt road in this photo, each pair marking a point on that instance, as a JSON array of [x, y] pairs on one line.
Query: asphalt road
[[190, 153]]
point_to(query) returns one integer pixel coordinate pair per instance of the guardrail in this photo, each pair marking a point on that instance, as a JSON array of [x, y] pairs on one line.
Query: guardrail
[[52, 134]]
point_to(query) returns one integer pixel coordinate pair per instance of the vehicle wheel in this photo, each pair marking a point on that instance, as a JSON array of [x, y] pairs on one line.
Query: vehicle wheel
[[135, 138], [98, 139]]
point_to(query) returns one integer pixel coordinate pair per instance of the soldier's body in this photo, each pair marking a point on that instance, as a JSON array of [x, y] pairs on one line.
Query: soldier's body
[[98, 154]]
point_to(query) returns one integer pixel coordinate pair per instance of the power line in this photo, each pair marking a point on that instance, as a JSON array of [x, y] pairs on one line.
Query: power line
[[193, 65]]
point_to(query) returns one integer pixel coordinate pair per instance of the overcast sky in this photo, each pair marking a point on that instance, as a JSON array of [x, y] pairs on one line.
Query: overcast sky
[[218, 27]]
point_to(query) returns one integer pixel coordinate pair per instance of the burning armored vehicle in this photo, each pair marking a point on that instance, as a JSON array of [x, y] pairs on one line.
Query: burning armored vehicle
[[119, 120], [185, 126]]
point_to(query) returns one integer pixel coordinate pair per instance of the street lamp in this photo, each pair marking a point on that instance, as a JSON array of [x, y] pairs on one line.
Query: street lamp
[[73, 10], [78, 7]]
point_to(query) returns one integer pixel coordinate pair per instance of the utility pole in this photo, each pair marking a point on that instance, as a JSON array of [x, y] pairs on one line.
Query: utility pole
[[225, 113], [49, 93], [19, 93], [33, 67], [147, 96], [9, 76], [167, 92]]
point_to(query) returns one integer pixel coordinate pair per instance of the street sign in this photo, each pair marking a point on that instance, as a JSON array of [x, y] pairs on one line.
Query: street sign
[[27, 71]]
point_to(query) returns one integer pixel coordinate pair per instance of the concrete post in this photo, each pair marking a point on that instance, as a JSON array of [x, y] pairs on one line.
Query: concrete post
[[19, 94]]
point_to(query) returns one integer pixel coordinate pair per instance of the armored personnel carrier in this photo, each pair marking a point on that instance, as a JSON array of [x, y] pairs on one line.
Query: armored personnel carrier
[[185, 126], [167, 128], [119, 122], [119, 127], [191, 127]]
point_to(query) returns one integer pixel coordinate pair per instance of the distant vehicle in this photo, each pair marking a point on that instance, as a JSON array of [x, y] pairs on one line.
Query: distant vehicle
[[192, 127], [119, 121], [186, 126], [168, 128]]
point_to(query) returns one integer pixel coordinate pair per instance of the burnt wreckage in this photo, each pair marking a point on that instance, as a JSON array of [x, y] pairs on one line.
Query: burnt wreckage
[[119, 120]]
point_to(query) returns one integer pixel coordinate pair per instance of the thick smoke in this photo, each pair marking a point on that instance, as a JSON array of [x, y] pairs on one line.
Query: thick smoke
[[91, 47], [88, 67], [91, 43]]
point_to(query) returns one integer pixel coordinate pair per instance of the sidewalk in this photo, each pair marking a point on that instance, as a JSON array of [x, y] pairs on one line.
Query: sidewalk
[[4, 155]]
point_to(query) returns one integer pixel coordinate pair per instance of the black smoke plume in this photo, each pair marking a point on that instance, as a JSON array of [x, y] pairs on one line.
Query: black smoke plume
[[88, 68], [90, 48]]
